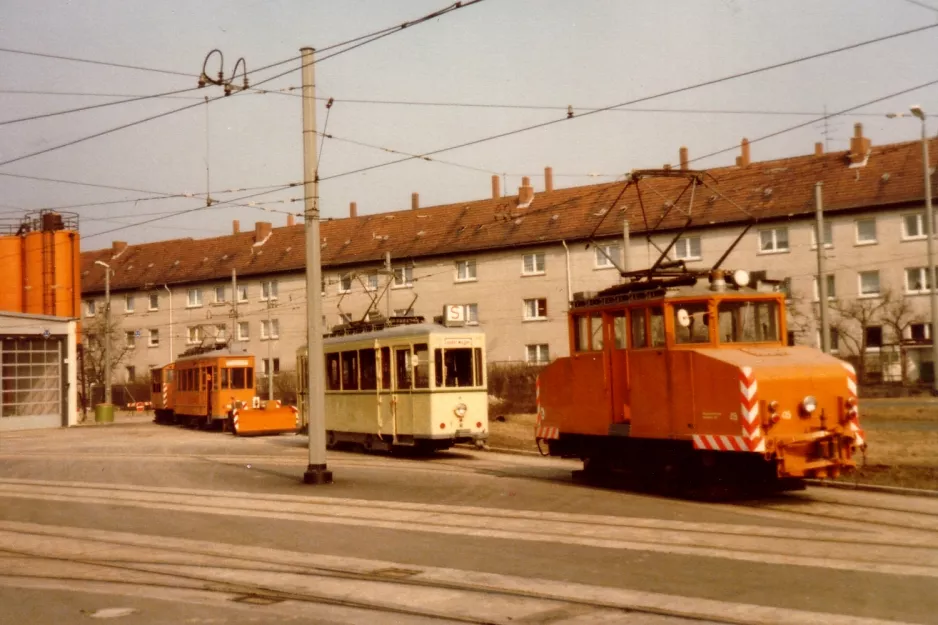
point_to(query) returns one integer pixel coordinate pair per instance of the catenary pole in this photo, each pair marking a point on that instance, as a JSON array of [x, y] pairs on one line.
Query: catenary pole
[[316, 471], [107, 330], [821, 272], [930, 249]]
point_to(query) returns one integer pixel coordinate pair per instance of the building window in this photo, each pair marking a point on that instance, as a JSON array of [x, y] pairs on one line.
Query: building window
[[535, 309], [221, 295], [269, 290], [687, 248], [371, 280], [242, 292], [244, 331], [773, 240], [831, 288], [403, 277], [130, 304], [913, 226], [472, 314], [129, 339], [345, 284], [917, 280], [154, 338], [874, 337], [869, 283], [828, 236], [265, 366], [270, 329], [920, 332], [866, 231], [131, 373], [533, 264], [345, 317], [465, 270], [605, 255], [835, 339], [194, 298], [536, 354], [194, 335], [154, 303], [89, 308], [221, 333]]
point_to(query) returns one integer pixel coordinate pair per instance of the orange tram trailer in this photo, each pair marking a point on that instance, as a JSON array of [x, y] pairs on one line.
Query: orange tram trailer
[[216, 388], [687, 384]]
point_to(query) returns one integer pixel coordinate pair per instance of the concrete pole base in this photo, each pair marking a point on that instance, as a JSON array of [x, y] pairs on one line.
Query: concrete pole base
[[317, 474]]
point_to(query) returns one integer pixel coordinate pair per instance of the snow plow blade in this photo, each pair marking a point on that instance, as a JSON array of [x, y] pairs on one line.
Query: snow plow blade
[[263, 421]]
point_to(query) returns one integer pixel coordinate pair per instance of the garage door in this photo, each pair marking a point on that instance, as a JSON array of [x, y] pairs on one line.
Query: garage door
[[31, 378]]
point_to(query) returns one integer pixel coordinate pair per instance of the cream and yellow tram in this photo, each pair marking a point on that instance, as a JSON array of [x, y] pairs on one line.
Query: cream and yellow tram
[[420, 386]]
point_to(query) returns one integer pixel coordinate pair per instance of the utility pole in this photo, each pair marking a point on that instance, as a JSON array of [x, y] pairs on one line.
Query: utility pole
[[930, 250], [172, 353], [821, 273], [316, 471], [387, 266], [107, 330], [270, 339], [234, 307]]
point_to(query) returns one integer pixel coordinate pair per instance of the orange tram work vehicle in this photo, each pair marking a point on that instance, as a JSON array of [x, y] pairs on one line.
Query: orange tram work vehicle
[[691, 384], [216, 388]]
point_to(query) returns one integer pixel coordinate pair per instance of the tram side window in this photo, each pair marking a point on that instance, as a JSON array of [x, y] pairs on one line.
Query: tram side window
[[438, 367], [350, 371], [457, 366], [479, 367], [618, 329], [403, 368], [421, 366], [237, 378], [657, 326], [224, 378], [639, 332], [249, 377], [596, 331], [368, 365], [386, 368], [581, 333], [333, 378]]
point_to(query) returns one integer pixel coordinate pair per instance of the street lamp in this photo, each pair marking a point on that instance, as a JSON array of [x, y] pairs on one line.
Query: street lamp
[[930, 243], [107, 330]]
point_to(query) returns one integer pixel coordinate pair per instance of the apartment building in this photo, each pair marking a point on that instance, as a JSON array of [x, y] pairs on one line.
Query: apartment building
[[515, 261]]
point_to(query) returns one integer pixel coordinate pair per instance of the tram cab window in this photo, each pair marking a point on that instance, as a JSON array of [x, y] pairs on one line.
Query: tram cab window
[[237, 378], [333, 379], [749, 322], [386, 368], [350, 371], [639, 331], [421, 366], [657, 326], [224, 378], [691, 323], [618, 329], [155, 381], [403, 369], [596, 331], [367, 360], [455, 365], [479, 367], [581, 331]]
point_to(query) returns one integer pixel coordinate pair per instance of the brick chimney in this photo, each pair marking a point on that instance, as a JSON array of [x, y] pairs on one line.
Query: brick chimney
[[496, 187], [235, 226], [684, 159], [548, 179], [117, 248], [859, 145], [819, 149], [414, 201], [291, 221], [525, 191], [262, 230], [352, 210], [666, 167], [743, 159]]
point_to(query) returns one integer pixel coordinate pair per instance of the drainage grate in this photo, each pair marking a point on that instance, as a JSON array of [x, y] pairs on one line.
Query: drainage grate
[[394, 573], [257, 600]]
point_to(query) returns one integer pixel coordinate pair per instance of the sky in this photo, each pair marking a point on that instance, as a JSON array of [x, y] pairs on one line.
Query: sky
[[525, 60]]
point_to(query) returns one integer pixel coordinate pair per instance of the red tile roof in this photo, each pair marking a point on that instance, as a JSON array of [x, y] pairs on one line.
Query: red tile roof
[[768, 190]]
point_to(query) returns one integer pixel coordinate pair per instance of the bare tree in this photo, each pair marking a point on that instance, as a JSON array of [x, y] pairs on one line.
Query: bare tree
[[852, 320], [898, 315], [95, 336]]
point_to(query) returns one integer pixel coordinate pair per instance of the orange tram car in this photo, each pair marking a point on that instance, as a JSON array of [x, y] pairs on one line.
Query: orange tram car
[[688, 385], [215, 388]]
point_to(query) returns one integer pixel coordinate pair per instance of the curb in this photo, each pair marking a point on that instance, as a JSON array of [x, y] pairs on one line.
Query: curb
[[873, 488], [502, 450]]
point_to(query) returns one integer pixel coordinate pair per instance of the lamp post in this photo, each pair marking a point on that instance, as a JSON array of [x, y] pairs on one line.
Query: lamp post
[[930, 243], [107, 330]]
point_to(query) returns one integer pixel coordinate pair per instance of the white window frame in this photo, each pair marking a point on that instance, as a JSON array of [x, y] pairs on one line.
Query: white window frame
[[153, 337], [221, 332], [265, 365], [463, 270], [832, 332], [924, 276], [600, 260], [130, 339], [775, 249], [530, 304], [345, 317], [856, 229], [882, 333], [343, 280], [130, 372], [828, 234], [472, 314], [371, 282], [879, 284], [130, 299], [537, 348], [403, 278], [270, 330], [224, 294], [244, 331], [150, 298], [534, 256], [91, 308], [194, 302], [684, 248], [831, 292], [194, 335], [269, 290], [243, 293], [920, 222]]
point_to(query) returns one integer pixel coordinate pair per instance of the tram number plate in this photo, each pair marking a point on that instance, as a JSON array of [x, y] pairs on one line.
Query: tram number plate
[[460, 433]]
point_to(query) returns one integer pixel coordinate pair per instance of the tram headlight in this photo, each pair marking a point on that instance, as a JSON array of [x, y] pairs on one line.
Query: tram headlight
[[809, 404], [460, 410]]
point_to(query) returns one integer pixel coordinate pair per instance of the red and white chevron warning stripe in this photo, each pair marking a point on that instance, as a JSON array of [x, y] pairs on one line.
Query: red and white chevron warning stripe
[[546, 432], [234, 420], [540, 430], [749, 404], [165, 394], [721, 443], [537, 401], [853, 414]]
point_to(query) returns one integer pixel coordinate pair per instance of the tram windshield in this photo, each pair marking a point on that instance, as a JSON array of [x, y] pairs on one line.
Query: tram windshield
[[458, 367], [749, 322], [691, 323]]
